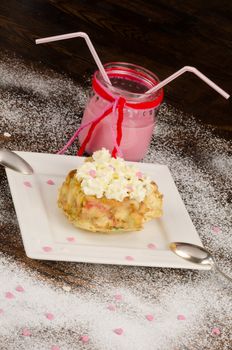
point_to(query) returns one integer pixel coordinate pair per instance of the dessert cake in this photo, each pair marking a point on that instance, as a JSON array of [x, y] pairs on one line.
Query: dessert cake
[[107, 194]]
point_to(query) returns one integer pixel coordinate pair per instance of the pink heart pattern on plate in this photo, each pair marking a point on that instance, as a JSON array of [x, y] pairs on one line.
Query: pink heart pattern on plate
[[27, 184], [151, 246], [71, 239], [129, 258], [47, 249], [50, 182]]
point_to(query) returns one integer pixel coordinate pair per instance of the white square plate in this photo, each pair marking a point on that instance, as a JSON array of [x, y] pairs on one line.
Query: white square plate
[[47, 234]]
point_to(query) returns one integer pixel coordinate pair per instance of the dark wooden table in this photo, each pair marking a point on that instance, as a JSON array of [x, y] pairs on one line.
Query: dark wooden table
[[159, 35], [42, 96]]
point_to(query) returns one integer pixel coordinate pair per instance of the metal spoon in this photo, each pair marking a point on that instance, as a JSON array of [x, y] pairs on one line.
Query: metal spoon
[[196, 254], [13, 161]]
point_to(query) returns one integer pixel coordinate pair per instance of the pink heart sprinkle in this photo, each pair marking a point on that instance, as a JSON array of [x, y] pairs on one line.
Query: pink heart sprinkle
[[50, 182], [216, 331], [129, 188], [55, 347], [27, 184], [118, 296], [49, 316], [129, 258], [70, 239], [111, 307], [139, 175], [84, 338], [47, 249], [118, 331], [216, 229], [151, 246], [1, 311], [26, 332], [92, 173], [150, 317], [9, 295], [19, 289], [181, 317]]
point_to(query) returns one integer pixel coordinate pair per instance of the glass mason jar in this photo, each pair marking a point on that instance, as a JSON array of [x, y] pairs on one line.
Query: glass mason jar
[[130, 82]]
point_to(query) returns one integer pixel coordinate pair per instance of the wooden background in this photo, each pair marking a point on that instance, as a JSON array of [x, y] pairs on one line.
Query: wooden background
[[160, 35]]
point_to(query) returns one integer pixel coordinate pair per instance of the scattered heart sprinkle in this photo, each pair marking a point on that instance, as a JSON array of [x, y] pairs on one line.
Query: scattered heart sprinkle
[[47, 249], [216, 229], [111, 307], [150, 317], [71, 239], [84, 338], [118, 331], [139, 175], [216, 331], [27, 184], [129, 258], [19, 289], [49, 316], [92, 173], [118, 297], [26, 332], [9, 295], [50, 182], [181, 317], [151, 246]]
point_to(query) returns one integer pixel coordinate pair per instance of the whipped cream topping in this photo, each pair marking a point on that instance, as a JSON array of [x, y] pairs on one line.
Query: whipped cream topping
[[112, 178]]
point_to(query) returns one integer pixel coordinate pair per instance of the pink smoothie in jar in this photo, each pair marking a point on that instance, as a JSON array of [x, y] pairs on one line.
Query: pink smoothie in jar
[[131, 82]]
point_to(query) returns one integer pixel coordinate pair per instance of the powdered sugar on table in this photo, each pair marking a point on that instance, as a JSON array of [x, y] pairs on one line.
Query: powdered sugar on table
[[49, 305]]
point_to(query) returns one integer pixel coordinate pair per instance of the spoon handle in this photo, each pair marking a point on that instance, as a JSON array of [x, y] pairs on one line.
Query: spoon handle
[[222, 273], [13, 161]]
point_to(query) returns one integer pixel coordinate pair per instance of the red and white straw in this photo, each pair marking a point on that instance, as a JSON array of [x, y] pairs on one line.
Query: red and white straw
[[89, 44], [194, 71], [106, 78]]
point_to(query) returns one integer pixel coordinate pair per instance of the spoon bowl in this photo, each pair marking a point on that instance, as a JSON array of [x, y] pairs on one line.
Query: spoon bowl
[[13, 161], [196, 254]]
